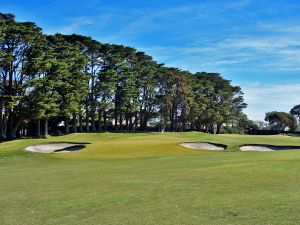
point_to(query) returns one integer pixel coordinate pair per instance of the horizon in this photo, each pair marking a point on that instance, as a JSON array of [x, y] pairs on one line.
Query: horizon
[[253, 43]]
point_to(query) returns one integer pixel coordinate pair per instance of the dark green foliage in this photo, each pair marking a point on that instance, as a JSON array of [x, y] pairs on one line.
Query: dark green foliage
[[80, 84], [295, 111], [19, 43], [281, 120], [216, 102]]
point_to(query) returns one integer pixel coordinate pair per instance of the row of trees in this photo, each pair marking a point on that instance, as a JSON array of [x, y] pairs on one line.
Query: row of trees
[[280, 121], [49, 82]]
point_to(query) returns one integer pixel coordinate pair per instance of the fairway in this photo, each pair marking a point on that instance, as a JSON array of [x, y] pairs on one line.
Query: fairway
[[148, 178]]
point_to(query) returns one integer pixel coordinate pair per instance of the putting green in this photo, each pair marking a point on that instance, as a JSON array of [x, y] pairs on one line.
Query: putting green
[[148, 178]]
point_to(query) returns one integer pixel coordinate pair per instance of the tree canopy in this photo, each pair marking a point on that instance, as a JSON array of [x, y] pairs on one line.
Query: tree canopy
[[281, 120], [71, 83]]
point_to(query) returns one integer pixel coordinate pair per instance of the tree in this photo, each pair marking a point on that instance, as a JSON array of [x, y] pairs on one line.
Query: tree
[[92, 49], [295, 111], [41, 96], [18, 41], [73, 82], [65, 78], [147, 78], [240, 124], [281, 120], [174, 92], [216, 102]]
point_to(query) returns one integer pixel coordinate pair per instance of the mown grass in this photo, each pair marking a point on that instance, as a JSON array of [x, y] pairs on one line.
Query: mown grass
[[147, 178]]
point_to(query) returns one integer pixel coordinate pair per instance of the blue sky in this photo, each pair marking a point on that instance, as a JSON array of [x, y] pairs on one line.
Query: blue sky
[[254, 43]]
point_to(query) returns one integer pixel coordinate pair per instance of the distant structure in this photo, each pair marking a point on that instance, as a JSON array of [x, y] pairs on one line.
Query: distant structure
[[262, 125]]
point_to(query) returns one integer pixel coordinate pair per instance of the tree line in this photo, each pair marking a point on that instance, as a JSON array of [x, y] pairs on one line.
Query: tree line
[[72, 83], [280, 121]]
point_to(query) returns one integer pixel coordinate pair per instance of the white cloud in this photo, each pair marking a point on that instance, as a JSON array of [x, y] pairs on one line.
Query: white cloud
[[272, 54], [73, 26], [262, 98]]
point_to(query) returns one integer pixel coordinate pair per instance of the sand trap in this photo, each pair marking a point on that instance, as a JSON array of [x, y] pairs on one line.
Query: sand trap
[[203, 146], [267, 148], [61, 147]]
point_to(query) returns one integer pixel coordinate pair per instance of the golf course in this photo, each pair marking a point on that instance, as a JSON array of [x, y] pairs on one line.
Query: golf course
[[149, 178]]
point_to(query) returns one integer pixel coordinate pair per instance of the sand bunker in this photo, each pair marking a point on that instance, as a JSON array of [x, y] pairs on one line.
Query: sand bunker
[[203, 146], [58, 147], [267, 148]]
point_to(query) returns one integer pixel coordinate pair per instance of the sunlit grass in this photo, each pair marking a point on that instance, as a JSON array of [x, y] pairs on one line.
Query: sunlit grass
[[147, 178]]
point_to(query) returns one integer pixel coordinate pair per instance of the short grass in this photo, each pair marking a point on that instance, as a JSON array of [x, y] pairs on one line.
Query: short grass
[[147, 178]]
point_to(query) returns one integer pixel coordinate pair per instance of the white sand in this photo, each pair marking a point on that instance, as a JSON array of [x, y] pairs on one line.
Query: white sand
[[202, 146], [52, 147], [255, 148], [266, 148]]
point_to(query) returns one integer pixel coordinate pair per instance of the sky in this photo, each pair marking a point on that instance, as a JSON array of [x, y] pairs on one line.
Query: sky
[[254, 43]]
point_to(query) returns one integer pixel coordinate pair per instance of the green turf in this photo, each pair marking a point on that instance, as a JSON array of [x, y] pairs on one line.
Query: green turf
[[140, 179]]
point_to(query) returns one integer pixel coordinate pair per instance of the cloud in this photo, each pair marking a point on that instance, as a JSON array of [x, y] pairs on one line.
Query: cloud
[[291, 28], [74, 26], [170, 17], [262, 98], [254, 54]]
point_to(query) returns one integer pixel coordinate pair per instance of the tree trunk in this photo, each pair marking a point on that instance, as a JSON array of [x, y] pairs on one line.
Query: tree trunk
[[135, 121], [206, 128], [130, 123], [12, 132], [99, 120], [175, 126], [121, 122], [93, 98], [93, 127], [3, 126], [10, 125], [13, 129], [1, 120], [74, 123], [184, 125], [87, 119], [67, 129], [116, 121], [87, 124], [80, 124], [38, 128], [46, 133], [145, 122], [105, 120], [211, 129], [172, 122], [127, 122], [219, 126], [141, 117], [21, 133]]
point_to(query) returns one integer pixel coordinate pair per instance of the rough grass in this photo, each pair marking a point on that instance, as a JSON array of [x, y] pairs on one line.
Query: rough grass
[[140, 179]]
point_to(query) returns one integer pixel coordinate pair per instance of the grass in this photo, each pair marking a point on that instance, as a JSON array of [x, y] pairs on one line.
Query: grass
[[147, 178]]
